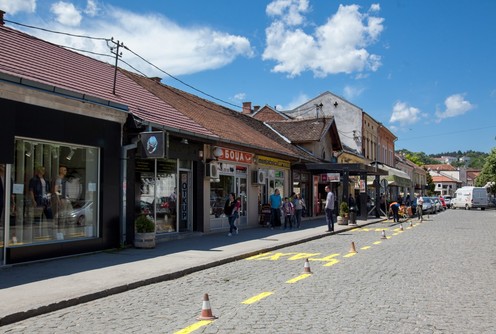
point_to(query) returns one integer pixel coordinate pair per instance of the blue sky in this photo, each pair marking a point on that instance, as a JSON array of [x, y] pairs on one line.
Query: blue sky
[[426, 68]]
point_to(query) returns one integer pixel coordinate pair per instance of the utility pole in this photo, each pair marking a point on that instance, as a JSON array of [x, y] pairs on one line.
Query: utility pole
[[115, 50]]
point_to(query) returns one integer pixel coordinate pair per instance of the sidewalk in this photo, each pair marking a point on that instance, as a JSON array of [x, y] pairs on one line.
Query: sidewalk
[[36, 288]]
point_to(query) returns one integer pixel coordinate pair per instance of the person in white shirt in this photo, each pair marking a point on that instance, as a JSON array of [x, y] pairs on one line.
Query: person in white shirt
[[329, 209], [420, 202]]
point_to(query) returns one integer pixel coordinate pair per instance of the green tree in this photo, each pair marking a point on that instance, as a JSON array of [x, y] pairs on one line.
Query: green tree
[[430, 184], [488, 173]]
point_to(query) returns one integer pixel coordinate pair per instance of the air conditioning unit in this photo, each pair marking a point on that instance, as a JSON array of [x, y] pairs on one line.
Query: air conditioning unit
[[212, 170], [258, 177]]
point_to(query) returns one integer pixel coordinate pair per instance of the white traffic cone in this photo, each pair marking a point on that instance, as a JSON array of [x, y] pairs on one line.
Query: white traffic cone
[[383, 234], [206, 312], [306, 267]]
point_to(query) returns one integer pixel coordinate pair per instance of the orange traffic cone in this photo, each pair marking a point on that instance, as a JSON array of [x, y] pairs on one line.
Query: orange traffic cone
[[353, 249], [306, 267], [206, 312], [383, 234]]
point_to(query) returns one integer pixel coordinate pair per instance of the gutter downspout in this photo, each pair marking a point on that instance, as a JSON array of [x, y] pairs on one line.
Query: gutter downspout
[[123, 216]]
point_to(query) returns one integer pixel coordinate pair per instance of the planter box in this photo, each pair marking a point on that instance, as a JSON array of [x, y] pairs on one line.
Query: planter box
[[144, 240]]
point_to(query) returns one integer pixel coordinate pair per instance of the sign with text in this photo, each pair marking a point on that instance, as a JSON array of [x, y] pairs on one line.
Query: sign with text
[[268, 161], [236, 156]]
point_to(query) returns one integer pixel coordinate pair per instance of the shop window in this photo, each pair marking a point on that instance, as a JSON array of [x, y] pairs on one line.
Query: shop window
[[219, 193], [55, 190], [158, 194]]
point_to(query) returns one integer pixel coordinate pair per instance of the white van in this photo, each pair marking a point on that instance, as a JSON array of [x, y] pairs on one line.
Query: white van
[[470, 197]]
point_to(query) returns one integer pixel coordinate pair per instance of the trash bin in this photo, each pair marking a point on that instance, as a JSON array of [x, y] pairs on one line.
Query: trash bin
[[353, 213]]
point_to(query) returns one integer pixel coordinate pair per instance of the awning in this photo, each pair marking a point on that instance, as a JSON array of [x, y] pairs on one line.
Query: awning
[[395, 177], [350, 169]]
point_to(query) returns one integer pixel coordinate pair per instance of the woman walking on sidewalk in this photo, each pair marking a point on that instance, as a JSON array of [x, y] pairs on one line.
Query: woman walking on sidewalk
[[231, 209]]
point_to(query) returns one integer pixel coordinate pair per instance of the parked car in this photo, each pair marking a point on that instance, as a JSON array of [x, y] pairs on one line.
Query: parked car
[[447, 199], [437, 204], [443, 202], [81, 210], [429, 206]]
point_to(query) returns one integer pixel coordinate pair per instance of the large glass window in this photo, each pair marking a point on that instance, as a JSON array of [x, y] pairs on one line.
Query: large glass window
[[158, 196], [55, 190]]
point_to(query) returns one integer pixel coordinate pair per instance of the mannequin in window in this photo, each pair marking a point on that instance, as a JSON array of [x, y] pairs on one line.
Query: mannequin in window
[[39, 194]]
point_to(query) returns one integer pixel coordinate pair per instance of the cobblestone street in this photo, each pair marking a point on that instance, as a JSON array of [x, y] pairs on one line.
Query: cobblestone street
[[433, 277]]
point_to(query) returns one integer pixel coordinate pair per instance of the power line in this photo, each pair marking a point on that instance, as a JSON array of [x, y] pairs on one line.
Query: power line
[[122, 45], [57, 32], [179, 80]]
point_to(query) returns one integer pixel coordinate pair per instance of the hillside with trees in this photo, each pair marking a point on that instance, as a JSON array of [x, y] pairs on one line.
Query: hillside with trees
[[477, 159]]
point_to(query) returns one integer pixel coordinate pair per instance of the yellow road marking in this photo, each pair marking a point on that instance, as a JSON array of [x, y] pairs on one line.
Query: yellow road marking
[[301, 256], [331, 263], [350, 254], [365, 247], [256, 298], [377, 242], [194, 327], [326, 258], [254, 257], [298, 278], [273, 257]]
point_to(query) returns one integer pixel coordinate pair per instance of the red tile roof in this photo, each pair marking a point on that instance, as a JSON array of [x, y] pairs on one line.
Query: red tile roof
[[440, 167], [304, 130], [229, 125], [268, 114], [30, 58], [444, 179]]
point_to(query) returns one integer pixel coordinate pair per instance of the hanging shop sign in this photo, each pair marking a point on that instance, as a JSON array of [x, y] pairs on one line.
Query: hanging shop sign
[[330, 177], [273, 162], [236, 156], [153, 144]]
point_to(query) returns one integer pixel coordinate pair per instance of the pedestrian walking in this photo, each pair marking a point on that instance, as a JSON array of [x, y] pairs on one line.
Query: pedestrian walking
[[275, 202], [420, 203], [298, 207], [288, 210], [231, 209], [329, 209]]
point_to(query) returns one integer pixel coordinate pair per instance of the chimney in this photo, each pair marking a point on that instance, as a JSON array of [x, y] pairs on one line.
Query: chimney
[[246, 108], [1, 17], [256, 108], [156, 79]]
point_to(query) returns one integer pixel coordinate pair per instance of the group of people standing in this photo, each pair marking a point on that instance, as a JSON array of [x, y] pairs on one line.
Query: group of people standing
[[396, 205], [290, 207]]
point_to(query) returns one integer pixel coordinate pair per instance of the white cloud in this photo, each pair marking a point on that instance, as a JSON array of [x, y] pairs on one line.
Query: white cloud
[[405, 114], [240, 96], [351, 92], [91, 8], [16, 6], [456, 105], [296, 102], [338, 46], [66, 13], [173, 48], [289, 10]]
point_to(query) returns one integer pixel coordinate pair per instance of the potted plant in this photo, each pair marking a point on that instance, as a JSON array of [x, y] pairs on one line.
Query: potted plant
[[145, 232], [343, 212]]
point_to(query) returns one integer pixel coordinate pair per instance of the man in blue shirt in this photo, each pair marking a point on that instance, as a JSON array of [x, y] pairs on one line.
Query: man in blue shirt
[[275, 208]]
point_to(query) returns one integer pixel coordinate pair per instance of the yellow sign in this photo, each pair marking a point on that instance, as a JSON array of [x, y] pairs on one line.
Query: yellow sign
[[263, 160]]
